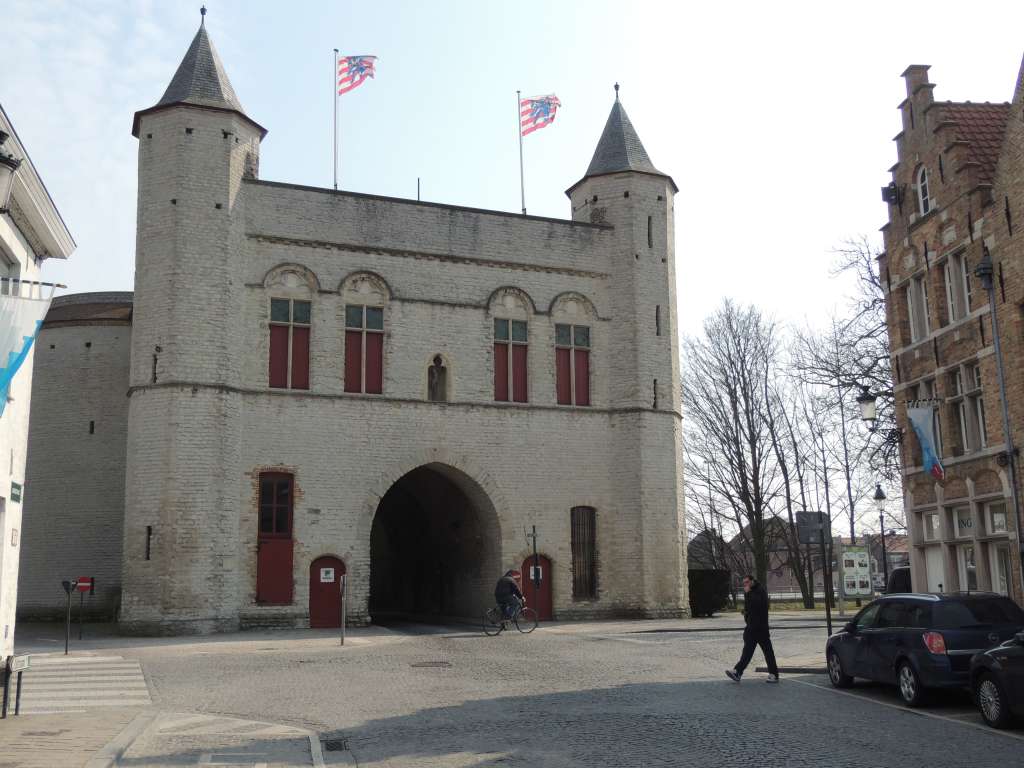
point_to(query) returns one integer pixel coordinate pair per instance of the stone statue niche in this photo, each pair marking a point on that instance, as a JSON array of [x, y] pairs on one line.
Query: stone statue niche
[[437, 381]]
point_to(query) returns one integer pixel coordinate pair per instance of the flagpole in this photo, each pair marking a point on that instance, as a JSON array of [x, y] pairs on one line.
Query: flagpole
[[519, 129], [334, 87]]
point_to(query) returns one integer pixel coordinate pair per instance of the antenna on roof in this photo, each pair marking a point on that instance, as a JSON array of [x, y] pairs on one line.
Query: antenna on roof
[[202, 14]]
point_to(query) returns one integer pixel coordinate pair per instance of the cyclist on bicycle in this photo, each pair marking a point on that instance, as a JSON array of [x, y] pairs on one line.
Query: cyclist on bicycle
[[508, 594]]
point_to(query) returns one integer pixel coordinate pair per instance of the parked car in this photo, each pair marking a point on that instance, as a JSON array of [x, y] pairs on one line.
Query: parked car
[[899, 580], [920, 641], [997, 681]]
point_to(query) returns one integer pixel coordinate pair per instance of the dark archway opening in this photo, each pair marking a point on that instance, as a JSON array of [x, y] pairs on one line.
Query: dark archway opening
[[433, 548]]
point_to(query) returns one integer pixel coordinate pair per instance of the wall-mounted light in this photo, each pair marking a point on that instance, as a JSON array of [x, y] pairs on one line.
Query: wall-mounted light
[[9, 165]]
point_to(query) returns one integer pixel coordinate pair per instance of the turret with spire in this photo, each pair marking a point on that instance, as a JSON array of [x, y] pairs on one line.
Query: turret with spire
[[623, 189], [196, 147]]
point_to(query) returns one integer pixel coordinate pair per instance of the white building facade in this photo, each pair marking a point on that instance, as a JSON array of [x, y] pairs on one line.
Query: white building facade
[[31, 231]]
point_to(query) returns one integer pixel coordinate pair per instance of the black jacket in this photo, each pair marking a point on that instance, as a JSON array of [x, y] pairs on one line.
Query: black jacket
[[755, 607], [505, 589]]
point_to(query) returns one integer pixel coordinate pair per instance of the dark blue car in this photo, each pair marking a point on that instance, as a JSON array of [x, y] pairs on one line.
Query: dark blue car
[[919, 642]]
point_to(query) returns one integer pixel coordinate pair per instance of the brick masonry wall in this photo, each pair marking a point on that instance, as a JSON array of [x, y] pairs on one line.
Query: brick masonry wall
[[74, 511], [201, 432]]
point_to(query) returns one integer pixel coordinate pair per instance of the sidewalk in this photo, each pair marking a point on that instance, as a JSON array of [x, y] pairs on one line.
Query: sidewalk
[[66, 740]]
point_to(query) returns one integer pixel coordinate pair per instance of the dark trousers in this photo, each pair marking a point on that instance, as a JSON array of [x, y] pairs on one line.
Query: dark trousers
[[751, 639]]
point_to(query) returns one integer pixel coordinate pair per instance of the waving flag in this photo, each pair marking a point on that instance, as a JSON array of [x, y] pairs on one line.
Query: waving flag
[[353, 70], [536, 113], [922, 419], [22, 310]]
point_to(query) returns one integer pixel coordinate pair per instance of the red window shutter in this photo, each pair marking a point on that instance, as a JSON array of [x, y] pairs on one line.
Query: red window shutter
[[519, 373], [353, 361], [375, 363], [582, 377], [300, 358], [563, 382], [279, 356], [501, 372]]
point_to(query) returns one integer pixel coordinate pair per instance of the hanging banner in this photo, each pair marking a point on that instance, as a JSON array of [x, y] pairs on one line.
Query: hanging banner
[[922, 419], [22, 309]]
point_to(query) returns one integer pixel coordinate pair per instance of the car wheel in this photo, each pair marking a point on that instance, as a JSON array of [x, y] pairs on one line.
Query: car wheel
[[992, 701], [909, 684], [836, 676]]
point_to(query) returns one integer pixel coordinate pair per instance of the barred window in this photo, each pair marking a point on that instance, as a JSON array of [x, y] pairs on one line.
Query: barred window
[[583, 522]]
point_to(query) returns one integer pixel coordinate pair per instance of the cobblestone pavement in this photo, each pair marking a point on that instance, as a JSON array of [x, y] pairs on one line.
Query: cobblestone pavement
[[569, 695]]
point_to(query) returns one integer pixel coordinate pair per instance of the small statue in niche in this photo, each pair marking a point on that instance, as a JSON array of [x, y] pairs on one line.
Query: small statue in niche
[[437, 381]]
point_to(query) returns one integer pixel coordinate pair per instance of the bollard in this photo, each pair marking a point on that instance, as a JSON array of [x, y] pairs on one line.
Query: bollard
[[17, 695], [343, 577], [7, 688]]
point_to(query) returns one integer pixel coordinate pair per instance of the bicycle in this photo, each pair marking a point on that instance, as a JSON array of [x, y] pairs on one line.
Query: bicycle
[[524, 618]]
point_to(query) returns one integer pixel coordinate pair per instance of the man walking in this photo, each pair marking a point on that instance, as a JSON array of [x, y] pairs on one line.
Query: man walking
[[755, 611]]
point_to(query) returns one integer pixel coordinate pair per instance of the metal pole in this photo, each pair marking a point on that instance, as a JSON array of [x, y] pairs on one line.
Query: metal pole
[[68, 586], [885, 558], [343, 606], [334, 88], [17, 695], [417, 188], [1010, 451], [536, 564], [519, 130], [826, 576]]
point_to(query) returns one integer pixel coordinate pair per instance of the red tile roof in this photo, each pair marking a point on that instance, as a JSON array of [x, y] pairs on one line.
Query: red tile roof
[[982, 126]]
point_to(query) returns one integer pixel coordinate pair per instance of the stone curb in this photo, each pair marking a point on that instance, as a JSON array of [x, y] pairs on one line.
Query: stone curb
[[111, 754]]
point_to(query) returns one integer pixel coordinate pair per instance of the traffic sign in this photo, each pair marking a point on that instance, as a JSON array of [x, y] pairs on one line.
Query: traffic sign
[[85, 584], [20, 663], [811, 525]]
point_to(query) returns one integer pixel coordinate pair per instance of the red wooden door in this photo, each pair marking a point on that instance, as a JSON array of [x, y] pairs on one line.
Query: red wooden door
[[538, 599], [274, 580], [325, 592]]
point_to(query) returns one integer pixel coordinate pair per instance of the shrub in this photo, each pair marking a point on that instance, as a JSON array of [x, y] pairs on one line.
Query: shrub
[[709, 591]]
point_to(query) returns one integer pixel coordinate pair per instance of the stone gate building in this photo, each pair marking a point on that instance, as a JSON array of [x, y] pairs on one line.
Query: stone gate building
[[322, 382]]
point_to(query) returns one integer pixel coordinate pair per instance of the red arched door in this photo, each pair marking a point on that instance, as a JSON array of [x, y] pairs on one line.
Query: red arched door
[[325, 592], [538, 599]]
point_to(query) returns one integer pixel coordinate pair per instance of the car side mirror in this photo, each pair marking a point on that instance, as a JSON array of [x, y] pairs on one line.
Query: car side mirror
[[850, 628], [1019, 637]]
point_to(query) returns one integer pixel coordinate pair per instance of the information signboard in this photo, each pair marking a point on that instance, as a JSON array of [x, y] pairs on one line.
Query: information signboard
[[808, 525], [856, 571]]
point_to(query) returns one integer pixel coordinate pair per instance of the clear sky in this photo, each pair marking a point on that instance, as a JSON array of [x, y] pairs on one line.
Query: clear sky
[[775, 119]]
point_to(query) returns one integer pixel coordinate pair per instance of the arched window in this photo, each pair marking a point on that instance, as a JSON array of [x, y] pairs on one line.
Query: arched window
[[365, 296], [511, 309], [924, 203], [291, 288]]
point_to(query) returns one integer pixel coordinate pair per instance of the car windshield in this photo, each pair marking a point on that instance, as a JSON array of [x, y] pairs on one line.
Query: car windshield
[[972, 613]]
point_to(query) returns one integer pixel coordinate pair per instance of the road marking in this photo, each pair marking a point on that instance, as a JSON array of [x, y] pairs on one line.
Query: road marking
[[909, 711], [59, 684]]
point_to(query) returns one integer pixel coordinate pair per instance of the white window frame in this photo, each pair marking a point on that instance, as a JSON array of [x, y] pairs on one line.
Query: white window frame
[[961, 562], [965, 280], [958, 286], [936, 533], [1000, 577], [924, 203], [990, 512], [915, 332]]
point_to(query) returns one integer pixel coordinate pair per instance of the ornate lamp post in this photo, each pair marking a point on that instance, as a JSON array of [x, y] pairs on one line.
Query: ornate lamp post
[[9, 165], [879, 498], [984, 273]]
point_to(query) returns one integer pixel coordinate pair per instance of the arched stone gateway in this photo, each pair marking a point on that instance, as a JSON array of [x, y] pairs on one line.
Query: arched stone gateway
[[434, 547]]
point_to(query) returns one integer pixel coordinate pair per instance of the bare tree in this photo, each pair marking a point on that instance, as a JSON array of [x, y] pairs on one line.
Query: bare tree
[[728, 441]]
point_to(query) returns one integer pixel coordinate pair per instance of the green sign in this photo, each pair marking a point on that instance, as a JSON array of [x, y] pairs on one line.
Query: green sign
[[16, 492]]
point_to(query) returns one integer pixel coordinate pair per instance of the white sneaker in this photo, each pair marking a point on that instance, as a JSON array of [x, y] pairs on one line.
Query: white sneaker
[[772, 679]]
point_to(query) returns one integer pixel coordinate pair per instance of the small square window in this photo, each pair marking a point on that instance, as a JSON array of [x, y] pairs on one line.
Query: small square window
[[519, 330], [279, 310], [300, 312], [353, 316], [581, 335], [375, 318], [501, 330], [563, 335], [997, 518]]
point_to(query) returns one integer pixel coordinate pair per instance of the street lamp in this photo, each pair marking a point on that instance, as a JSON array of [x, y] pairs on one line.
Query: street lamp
[[868, 407], [984, 273], [880, 506], [8, 168]]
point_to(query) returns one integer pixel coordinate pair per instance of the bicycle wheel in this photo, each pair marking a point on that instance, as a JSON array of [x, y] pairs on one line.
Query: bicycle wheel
[[492, 622], [526, 620]]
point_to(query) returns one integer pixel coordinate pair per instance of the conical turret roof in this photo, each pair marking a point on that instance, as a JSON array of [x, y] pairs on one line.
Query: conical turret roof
[[200, 81], [619, 150], [201, 78]]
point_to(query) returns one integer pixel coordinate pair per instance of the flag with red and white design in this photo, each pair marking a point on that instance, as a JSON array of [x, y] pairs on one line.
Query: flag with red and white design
[[537, 112], [354, 70]]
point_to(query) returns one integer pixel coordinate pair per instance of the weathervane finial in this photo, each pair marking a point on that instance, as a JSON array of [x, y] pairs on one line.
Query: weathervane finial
[[616, 91], [202, 13]]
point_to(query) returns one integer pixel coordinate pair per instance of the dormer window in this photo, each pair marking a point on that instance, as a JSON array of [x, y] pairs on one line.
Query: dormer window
[[924, 203]]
